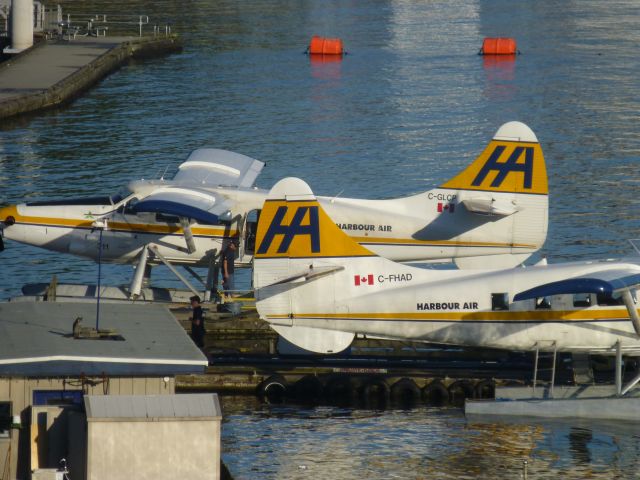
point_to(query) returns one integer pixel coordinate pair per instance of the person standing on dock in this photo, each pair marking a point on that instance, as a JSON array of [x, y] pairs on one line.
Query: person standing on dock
[[197, 322], [228, 260]]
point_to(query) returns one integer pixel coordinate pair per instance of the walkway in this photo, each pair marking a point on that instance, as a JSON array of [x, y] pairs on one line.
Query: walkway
[[55, 71]]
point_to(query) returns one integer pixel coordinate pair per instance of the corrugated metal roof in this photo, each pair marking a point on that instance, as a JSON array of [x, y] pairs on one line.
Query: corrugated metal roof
[[36, 339], [196, 405]]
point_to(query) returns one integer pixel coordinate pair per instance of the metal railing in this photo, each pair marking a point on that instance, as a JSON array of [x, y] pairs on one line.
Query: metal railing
[[99, 25]]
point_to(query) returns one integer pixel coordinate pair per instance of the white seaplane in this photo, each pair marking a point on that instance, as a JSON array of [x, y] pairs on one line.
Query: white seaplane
[[493, 214], [318, 288]]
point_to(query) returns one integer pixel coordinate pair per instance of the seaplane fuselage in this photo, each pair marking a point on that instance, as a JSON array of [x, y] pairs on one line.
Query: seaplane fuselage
[[494, 213], [395, 228], [319, 289]]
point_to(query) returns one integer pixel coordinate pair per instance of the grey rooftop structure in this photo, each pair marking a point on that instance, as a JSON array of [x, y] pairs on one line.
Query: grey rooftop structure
[[192, 406], [36, 340]]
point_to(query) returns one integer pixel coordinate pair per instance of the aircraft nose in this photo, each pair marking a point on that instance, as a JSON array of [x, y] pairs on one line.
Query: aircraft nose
[[7, 216]]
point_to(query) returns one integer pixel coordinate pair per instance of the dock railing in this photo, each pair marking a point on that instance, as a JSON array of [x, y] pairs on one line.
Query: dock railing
[[100, 25]]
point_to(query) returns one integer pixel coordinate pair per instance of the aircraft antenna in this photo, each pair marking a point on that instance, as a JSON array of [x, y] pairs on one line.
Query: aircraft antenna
[[633, 241], [337, 195]]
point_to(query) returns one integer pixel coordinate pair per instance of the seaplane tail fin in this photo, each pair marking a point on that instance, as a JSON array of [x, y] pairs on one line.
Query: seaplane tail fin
[[300, 252], [511, 163], [293, 225], [500, 201]]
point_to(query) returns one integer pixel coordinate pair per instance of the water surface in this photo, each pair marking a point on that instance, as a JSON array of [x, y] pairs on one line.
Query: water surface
[[410, 106]]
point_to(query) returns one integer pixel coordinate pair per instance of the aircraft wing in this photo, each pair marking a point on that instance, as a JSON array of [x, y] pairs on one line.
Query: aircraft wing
[[215, 167], [200, 205], [604, 282]]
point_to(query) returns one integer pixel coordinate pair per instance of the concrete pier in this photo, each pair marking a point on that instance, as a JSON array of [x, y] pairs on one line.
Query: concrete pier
[[55, 71]]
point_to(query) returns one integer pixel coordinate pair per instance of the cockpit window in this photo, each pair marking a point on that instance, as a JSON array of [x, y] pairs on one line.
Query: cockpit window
[[607, 299], [127, 208]]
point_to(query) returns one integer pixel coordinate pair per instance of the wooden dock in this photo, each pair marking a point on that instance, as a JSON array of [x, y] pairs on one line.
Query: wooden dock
[[55, 71], [245, 358]]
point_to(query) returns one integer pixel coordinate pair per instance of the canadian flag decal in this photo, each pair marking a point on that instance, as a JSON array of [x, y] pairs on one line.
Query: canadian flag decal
[[363, 280], [446, 207]]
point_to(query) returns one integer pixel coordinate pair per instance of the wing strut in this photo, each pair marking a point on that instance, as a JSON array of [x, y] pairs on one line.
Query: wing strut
[[631, 308], [188, 234]]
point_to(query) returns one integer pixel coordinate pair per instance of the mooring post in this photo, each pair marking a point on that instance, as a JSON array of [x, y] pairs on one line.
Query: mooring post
[[535, 372], [618, 369], [553, 368]]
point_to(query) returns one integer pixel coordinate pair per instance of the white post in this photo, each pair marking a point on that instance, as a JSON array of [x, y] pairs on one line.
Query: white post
[[618, 369], [21, 25]]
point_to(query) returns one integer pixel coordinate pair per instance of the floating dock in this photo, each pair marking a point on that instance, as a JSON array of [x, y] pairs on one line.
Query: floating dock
[[584, 401], [247, 357], [55, 71]]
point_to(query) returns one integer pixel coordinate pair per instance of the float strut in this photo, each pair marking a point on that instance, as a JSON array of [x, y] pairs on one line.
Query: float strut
[[154, 249]]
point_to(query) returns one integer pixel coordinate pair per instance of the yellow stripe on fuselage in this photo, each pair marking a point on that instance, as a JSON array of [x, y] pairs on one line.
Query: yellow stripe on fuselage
[[121, 226], [488, 316], [429, 243]]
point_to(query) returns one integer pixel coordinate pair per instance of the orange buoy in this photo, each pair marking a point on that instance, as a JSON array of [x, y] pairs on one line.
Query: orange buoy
[[498, 46], [325, 46]]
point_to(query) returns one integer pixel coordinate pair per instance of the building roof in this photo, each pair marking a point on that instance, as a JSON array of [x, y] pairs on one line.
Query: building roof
[[36, 340], [193, 405]]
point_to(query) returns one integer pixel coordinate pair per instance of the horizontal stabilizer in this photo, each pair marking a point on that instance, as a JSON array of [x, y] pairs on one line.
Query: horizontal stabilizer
[[311, 273], [490, 206], [204, 207], [491, 262], [605, 282], [315, 339]]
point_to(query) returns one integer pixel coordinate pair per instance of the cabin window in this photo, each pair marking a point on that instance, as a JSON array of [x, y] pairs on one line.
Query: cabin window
[[582, 300], [543, 303], [162, 217], [499, 301], [5, 419], [608, 299]]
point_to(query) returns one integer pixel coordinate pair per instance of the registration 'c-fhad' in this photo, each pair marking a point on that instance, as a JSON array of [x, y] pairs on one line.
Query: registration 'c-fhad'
[[318, 289]]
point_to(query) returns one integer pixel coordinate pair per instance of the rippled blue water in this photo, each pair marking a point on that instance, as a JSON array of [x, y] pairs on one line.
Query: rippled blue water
[[408, 107]]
